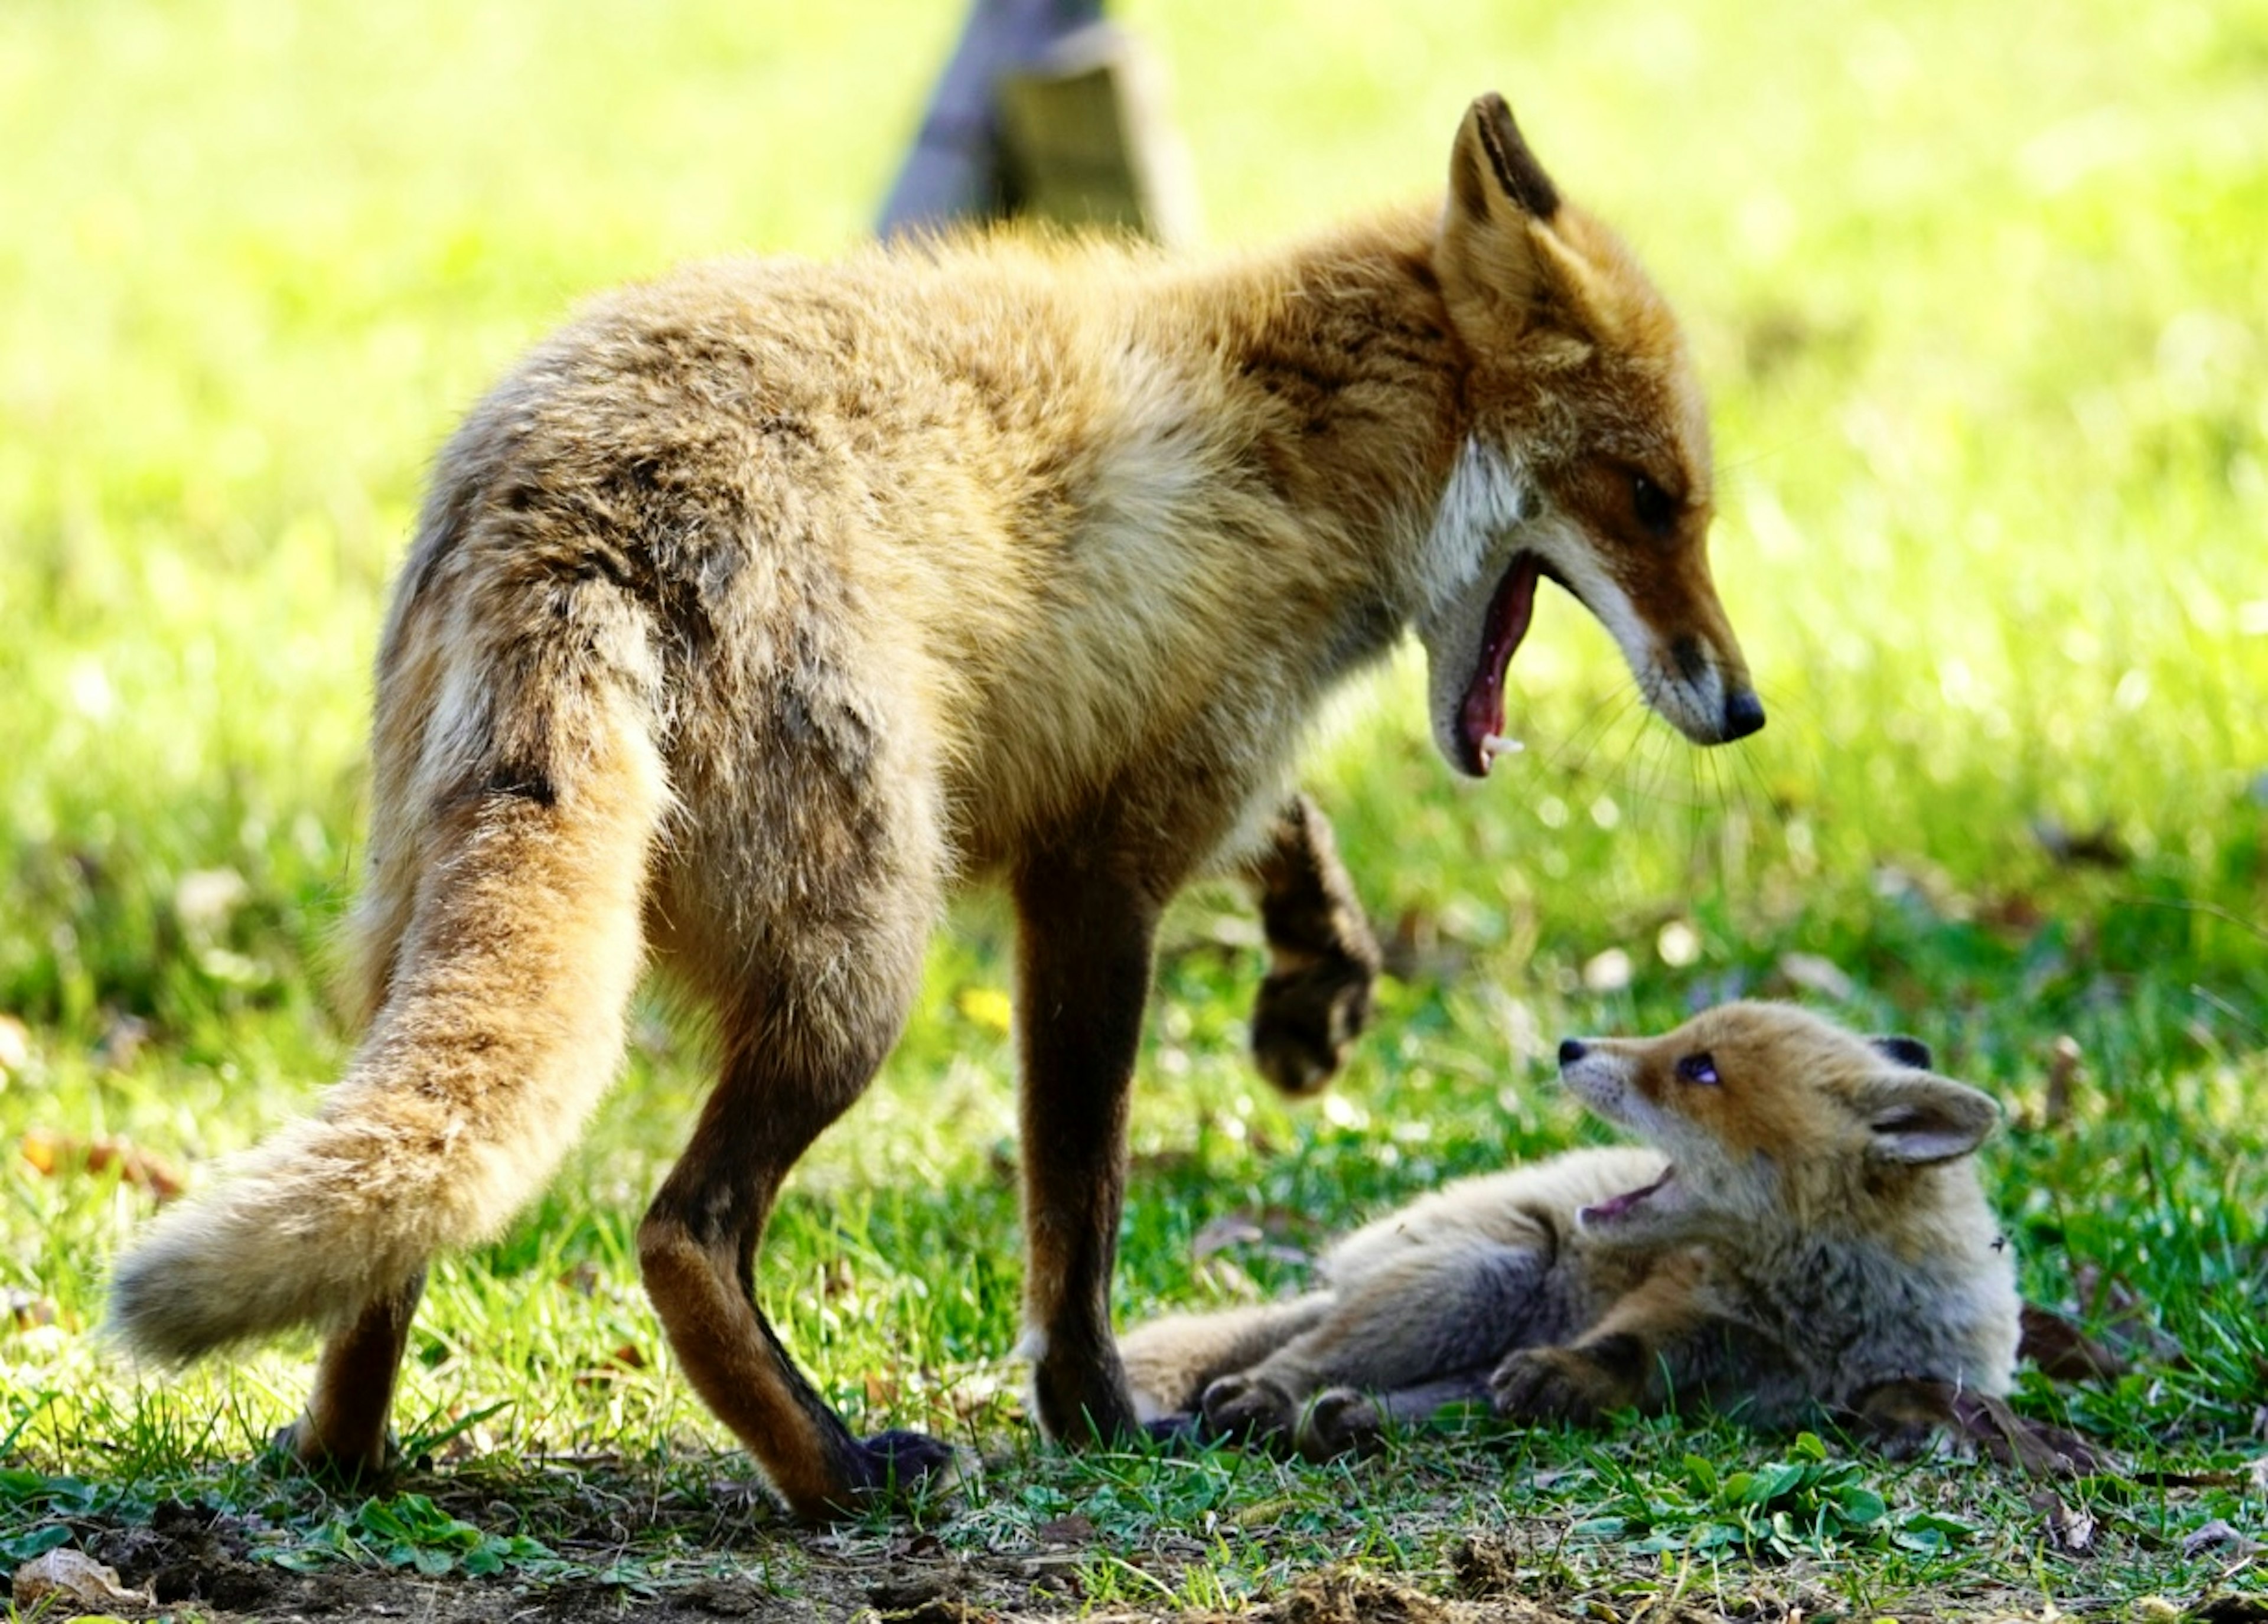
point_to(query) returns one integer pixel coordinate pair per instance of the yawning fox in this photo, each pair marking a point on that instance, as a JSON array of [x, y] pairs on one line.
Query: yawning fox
[[764, 605]]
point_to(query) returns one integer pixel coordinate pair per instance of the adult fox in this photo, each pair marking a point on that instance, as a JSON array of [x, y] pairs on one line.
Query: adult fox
[[765, 603]]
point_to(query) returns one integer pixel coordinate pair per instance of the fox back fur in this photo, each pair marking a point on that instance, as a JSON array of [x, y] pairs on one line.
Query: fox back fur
[[1806, 1228], [764, 605]]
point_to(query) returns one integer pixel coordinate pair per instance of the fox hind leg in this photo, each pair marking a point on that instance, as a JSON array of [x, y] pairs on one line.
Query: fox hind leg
[[343, 1430], [809, 948], [697, 1249]]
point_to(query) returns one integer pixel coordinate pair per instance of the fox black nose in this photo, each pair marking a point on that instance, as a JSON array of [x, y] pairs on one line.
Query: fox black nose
[[1571, 1050], [1744, 714]]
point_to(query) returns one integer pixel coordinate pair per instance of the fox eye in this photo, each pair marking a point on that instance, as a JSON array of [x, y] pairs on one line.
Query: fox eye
[[1655, 508], [1700, 1067]]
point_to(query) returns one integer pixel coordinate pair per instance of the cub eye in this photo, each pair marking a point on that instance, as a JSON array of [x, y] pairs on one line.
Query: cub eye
[[1697, 1069], [1655, 508]]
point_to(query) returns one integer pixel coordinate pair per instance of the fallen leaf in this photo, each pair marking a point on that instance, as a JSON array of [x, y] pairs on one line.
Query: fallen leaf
[[205, 899], [2063, 1352], [23, 1311], [120, 1042], [53, 1155], [72, 1577], [2098, 848], [987, 1006], [2218, 1536], [1276, 1230], [2158, 1478], [1076, 1529], [1813, 974], [2064, 1062], [1610, 972], [2070, 1529], [2125, 1315], [1231, 1229], [2034, 1446]]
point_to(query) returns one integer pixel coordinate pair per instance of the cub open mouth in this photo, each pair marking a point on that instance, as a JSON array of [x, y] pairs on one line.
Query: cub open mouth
[[1480, 717], [1618, 1207]]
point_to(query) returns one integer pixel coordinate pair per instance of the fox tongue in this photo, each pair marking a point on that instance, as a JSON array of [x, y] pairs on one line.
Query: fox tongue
[[1480, 719], [1621, 1206]]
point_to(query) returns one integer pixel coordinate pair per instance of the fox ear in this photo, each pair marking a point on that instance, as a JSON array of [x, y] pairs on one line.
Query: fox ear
[[1492, 162], [1918, 1117], [1906, 1051], [1497, 259]]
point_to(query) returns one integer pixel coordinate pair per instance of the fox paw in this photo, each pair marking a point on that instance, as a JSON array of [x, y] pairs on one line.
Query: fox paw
[[1321, 956], [329, 1463], [1554, 1384], [1305, 1019], [1248, 1408], [902, 1464], [1339, 1420]]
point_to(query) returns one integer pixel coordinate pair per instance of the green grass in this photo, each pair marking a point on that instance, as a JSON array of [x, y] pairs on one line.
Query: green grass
[[1978, 298]]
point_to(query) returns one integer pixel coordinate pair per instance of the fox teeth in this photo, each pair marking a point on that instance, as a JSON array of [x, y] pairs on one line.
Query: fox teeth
[[1495, 745]]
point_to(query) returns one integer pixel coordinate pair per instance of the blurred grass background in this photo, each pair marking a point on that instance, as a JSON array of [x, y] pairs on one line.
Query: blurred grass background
[[1978, 293]]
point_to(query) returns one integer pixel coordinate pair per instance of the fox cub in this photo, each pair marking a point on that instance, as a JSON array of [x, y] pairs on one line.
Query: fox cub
[[1806, 1229], [765, 605]]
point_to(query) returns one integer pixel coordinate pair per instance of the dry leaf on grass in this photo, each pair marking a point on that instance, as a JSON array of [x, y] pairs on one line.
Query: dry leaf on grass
[[2063, 1352], [73, 1579], [1076, 1529], [55, 1154], [1812, 973], [2064, 1061], [1270, 1231], [1911, 1416], [2221, 1540], [2070, 1529], [2035, 1446], [22, 1310], [15, 1046]]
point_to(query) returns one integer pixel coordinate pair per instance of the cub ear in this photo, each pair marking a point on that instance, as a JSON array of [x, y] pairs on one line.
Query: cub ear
[[1918, 1117], [1906, 1051], [1492, 162]]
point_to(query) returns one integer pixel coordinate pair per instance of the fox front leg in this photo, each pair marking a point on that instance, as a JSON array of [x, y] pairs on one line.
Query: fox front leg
[[1323, 958], [1084, 944]]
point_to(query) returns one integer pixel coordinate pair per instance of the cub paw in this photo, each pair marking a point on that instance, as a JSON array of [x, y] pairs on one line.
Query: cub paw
[[1339, 1420], [1248, 1408], [1553, 1383]]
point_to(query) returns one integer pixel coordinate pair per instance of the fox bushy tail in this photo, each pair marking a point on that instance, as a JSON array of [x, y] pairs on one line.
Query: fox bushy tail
[[517, 797]]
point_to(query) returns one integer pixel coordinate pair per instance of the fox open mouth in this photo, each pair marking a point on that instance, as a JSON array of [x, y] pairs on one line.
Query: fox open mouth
[[1616, 1208], [1480, 718]]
